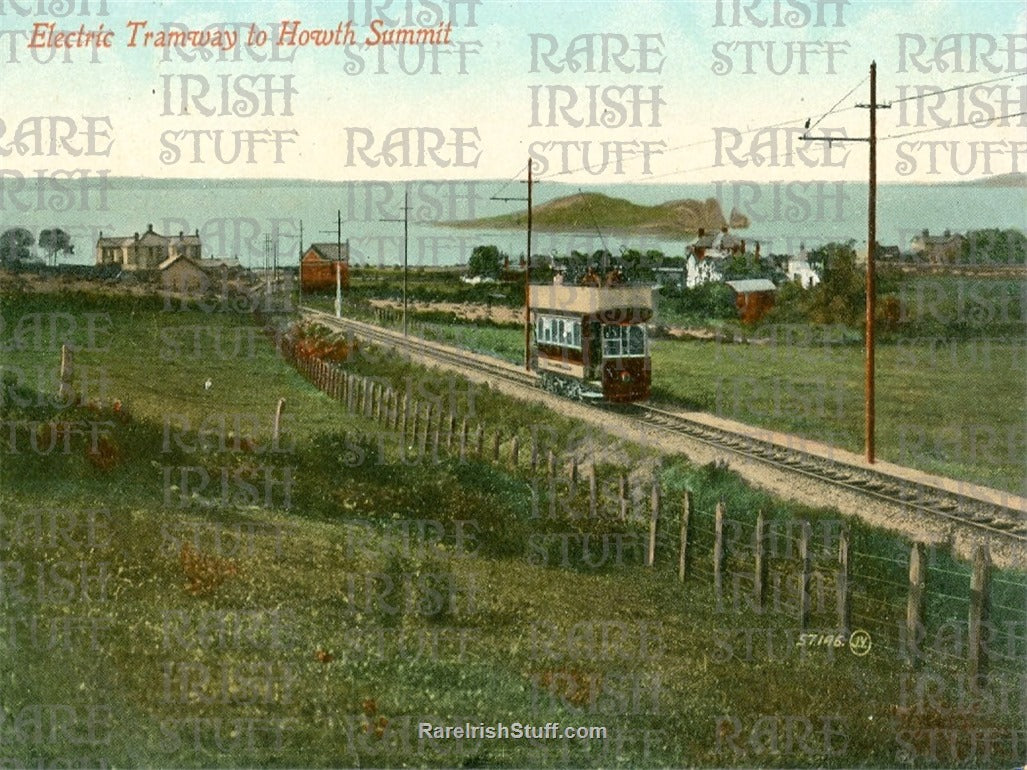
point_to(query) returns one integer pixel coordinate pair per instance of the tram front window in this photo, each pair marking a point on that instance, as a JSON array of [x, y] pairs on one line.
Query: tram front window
[[621, 341]]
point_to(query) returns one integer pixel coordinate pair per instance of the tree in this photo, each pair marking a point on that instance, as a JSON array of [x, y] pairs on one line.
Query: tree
[[55, 242], [16, 245], [486, 261], [840, 297]]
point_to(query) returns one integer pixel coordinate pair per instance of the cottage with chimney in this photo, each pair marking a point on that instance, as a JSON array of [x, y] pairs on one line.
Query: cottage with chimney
[[938, 249], [707, 256], [147, 251]]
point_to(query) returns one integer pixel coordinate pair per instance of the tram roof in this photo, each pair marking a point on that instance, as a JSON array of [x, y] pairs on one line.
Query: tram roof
[[586, 300]]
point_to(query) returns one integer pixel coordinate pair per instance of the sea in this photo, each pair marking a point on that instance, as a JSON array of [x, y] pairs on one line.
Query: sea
[[263, 221]]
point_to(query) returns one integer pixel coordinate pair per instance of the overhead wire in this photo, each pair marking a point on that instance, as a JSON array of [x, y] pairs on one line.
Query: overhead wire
[[959, 88], [833, 110], [979, 122]]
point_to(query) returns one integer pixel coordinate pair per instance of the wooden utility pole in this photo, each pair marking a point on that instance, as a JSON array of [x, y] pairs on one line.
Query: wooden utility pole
[[299, 269], [871, 254], [338, 262], [406, 231], [267, 264], [873, 106], [527, 281], [274, 253], [527, 270]]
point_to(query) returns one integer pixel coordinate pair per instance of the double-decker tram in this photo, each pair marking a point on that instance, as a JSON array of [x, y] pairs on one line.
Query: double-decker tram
[[590, 342]]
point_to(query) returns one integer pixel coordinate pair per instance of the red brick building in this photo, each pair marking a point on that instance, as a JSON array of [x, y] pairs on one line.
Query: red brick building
[[319, 264], [754, 297]]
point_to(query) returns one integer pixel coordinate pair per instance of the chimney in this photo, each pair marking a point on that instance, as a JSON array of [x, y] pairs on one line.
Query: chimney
[[180, 234], [149, 228], [724, 229], [137, 236], [757, 251], [702, 232], [197, 232], [743, 245]]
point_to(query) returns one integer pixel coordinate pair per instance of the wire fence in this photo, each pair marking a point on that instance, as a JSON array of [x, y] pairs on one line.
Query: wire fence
[[911, 597]]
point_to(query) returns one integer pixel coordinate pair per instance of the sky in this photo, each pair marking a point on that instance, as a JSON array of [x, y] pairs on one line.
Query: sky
[[594, 92]]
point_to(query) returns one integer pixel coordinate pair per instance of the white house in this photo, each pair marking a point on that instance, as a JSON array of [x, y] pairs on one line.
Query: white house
[[707, 257], [800, 270], [147, 251]]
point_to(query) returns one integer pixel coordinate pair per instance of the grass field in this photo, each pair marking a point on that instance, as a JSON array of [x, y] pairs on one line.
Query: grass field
[[317, 621], [957, 408]]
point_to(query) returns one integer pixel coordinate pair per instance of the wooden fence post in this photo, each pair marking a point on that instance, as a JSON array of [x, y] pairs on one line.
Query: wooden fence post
[[622, 497], [980, 612], [760, 572], [515, 448], [415, 429], [404, 410], [436, 437], [496, 441], [805, 558], [915, 602], [429, 411], [654, 515], [551, 481], [842, 581], [551, 464], [463, 440], [686, 509], [593, 492], [451, 432], [276, 428], [479, 442], [534, 451], [718, 554]]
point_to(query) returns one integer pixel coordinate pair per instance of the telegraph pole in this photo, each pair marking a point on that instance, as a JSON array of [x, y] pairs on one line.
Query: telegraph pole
[[267, 265], [338, 261], [274, 254], [871, 256], [871, 140], [406, 233], [299, 264], [527, 270]]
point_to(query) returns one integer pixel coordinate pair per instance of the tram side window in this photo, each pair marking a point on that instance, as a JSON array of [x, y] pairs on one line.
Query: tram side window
[[558, 331], [619, 341]]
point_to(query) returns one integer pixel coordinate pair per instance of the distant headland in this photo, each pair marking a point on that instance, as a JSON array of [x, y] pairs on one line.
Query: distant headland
[[587, 212]]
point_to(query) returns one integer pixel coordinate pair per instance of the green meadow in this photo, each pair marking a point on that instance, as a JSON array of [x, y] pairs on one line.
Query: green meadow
[[180, 590]]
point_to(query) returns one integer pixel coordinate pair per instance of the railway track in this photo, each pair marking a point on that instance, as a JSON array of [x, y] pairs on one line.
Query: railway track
[[993, 519]]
